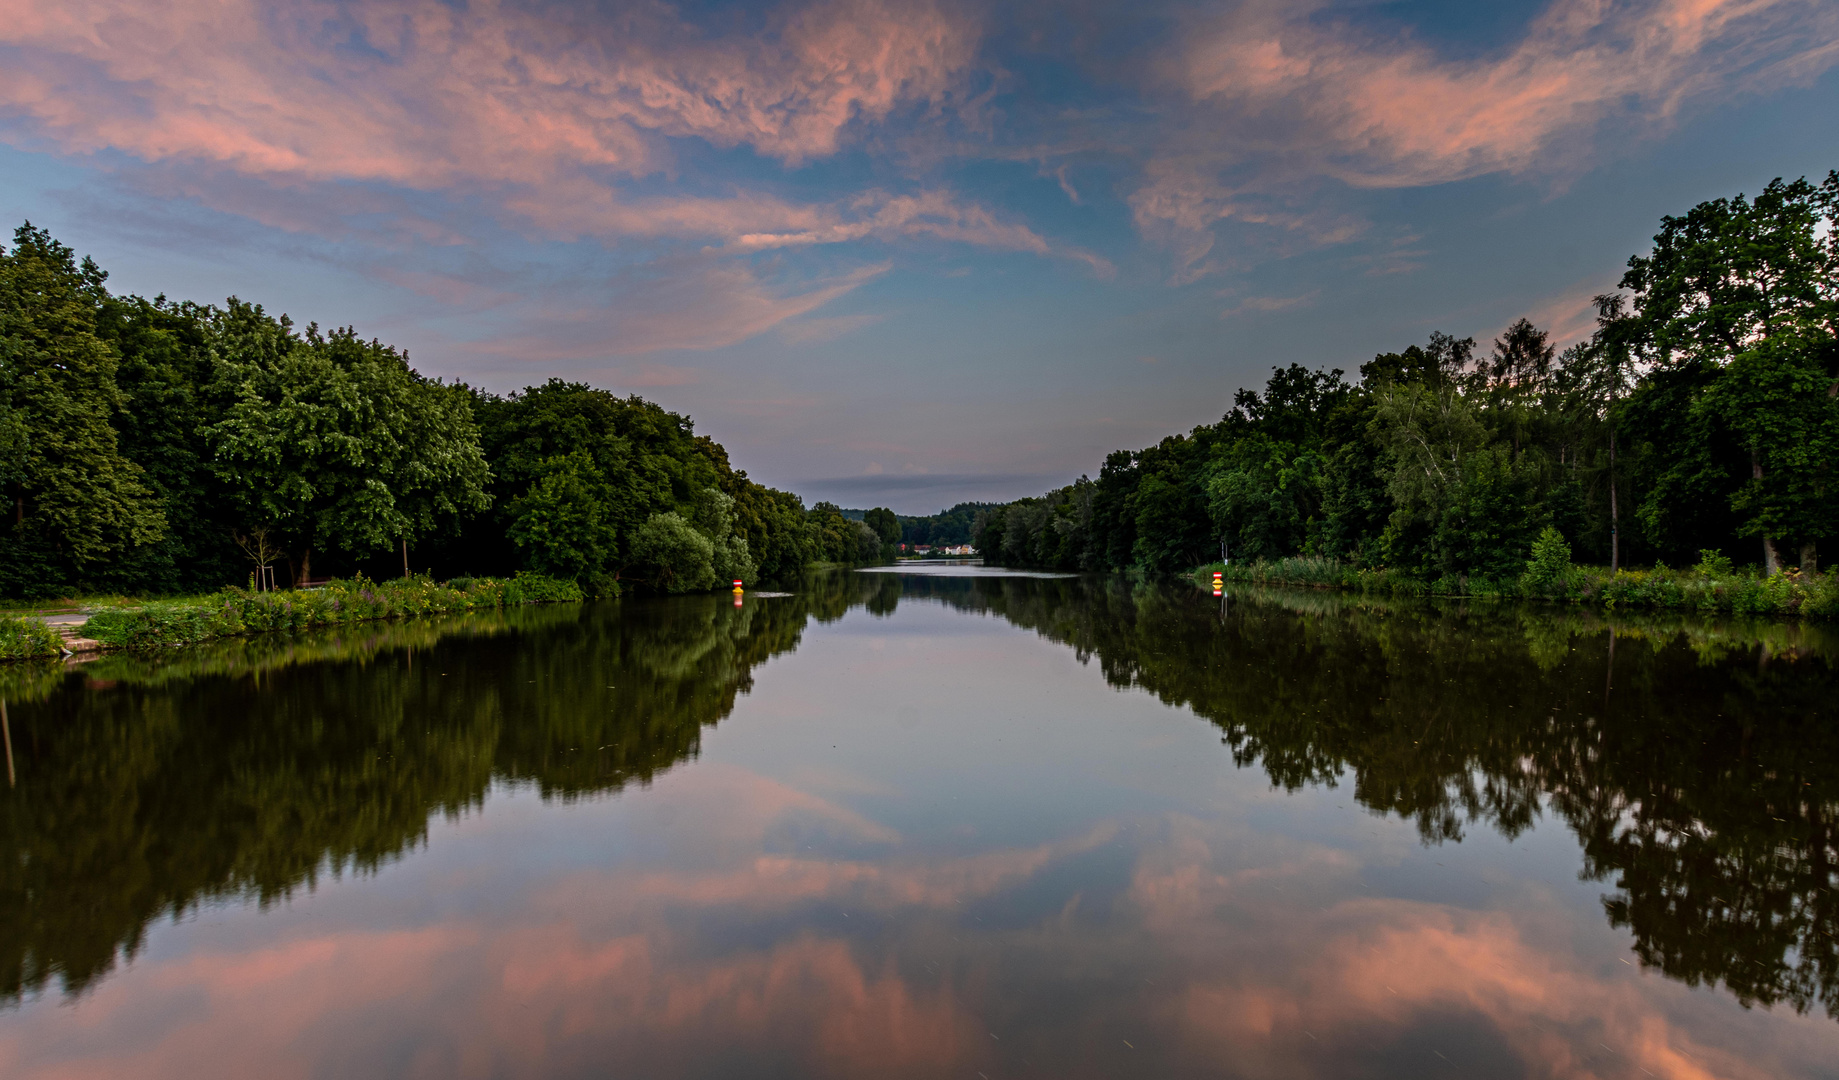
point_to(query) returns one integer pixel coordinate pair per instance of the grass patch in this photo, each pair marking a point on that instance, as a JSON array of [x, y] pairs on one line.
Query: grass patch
[[1711, 587], [26, 638], [236, 611]]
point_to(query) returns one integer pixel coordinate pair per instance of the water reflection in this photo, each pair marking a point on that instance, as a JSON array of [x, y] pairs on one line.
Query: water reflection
[[150, 785], [930, 844], [1700, 768]]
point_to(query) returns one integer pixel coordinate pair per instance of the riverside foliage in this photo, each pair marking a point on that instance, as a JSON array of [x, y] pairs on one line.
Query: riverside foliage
[[152, 446], [234, 611], [1702, 415]]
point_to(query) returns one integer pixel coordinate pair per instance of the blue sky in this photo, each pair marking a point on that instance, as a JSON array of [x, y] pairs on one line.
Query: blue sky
[[901, 253]]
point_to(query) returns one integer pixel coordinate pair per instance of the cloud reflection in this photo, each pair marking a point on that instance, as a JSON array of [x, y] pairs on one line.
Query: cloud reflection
[[1226, 949]]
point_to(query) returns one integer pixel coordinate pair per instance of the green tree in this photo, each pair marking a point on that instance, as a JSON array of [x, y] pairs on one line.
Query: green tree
[[75, 499], [712, 514], [675, 556], [337, 441], [165, 374], [1549, 564], [831, 537], [564, 521], [1779, 399], [1741, 297], [580, 473], [887, 527], [868, 544]]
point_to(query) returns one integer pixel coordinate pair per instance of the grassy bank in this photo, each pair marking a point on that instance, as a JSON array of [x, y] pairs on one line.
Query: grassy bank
[[1712, 587], [262, 654], [23, 638], [234, 612]]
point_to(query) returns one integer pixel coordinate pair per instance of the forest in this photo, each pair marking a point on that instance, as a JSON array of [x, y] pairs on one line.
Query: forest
[[161, 447], [947, 528], [1698, 424]]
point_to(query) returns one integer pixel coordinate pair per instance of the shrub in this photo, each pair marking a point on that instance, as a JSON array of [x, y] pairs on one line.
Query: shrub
[[680, 558], [528, 588], [154, 625], [1549, 570], [240, 611], [1711, 586], [1712, 564], [23, 638]]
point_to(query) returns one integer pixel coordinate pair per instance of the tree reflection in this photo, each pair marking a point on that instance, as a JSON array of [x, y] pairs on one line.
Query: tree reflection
[[1702, 780], [1702, 777], [149, 786]]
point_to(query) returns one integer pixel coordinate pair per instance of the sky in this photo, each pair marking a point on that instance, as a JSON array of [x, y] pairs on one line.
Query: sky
[[901, 253]]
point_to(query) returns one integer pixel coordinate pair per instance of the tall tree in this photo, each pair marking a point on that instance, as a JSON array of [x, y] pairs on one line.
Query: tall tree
[[1745, 293], [165, 374], [76, 500], [337, 441], [885, 524]]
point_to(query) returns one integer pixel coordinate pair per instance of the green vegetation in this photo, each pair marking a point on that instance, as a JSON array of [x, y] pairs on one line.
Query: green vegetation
[[1702, 415], [1717, 589], [24, 638], [241, 611], [947, 528], [154, 448]]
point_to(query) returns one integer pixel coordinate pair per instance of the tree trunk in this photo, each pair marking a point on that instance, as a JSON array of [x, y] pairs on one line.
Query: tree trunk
[[405, 556], [1615, 521], [303, 569], [1810, 558], [1771, 561]]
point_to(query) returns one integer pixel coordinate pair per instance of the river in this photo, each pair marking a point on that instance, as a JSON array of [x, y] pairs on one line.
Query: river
[[948, 824]]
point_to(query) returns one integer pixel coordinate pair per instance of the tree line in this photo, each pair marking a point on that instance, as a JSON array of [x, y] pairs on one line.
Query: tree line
[[1701, 418], [947, 528], [154, 446]]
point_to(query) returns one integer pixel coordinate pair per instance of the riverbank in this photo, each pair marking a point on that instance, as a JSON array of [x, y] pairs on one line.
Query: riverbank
[[234, 612], [1713, 588]]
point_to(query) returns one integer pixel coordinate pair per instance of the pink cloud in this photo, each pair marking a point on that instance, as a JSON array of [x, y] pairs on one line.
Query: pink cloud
[[939, 214], [438, 95], [1398, 114], [732, 305], [813, 331], [542, 115], [695, 302], [1266, 304], [1570, 316], [1278, 96]]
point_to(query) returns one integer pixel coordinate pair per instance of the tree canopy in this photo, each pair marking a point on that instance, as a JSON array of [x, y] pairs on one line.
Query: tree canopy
[[150, 446], [1702, 414], [76, 499]]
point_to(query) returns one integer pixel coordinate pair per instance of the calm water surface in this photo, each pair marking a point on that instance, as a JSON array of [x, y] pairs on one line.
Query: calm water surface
[[900, 825]]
